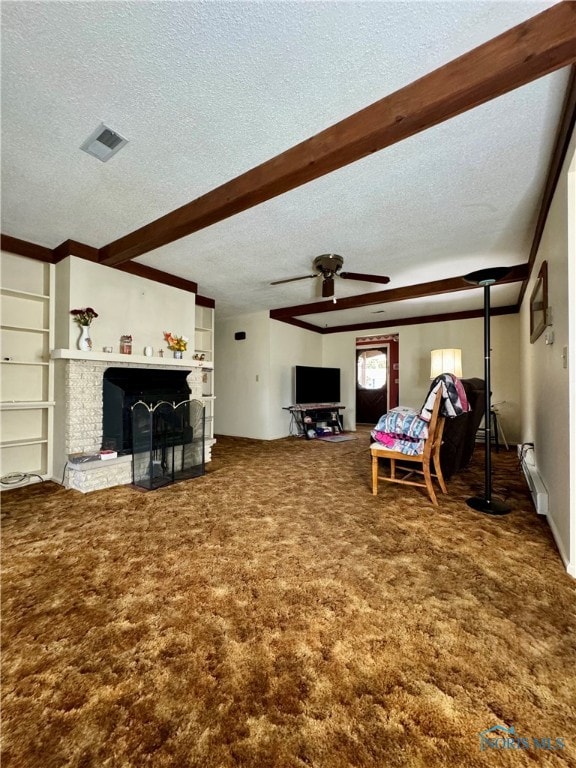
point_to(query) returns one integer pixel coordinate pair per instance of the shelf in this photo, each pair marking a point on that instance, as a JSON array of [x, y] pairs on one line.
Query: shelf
[[24, 328], [24, 441], [29, 476], [23, 362], [24, 294], [116, 357], [200, 328], [25, 405]]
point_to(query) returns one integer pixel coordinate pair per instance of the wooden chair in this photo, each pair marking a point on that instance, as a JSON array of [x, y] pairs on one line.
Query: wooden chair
[[430, 454]]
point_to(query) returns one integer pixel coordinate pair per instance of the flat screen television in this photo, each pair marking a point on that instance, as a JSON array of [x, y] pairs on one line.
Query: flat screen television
[[316, 385]]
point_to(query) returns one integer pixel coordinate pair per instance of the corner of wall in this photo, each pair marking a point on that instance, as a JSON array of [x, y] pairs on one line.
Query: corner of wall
[[62, 304]]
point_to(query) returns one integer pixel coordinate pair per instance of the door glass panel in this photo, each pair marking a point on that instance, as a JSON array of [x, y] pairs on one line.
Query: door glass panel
[[371, 372]]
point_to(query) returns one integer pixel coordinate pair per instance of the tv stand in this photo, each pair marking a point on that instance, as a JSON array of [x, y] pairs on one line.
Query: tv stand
[[317, 417]]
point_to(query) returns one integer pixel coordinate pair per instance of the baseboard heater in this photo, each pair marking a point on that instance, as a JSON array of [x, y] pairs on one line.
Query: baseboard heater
[[535, 483]]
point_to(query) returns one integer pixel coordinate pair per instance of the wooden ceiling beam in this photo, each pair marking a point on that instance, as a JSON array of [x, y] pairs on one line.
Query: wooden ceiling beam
[[542, 44], [74, 248], [89, 253], [434, 288], [466, 314], [24, 248], [300, 324]]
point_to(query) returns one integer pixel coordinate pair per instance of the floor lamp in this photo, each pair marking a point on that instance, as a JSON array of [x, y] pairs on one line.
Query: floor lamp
[[487, 503]]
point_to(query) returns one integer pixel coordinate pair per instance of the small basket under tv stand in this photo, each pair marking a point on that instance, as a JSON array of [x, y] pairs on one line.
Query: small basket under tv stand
[[309, 416]]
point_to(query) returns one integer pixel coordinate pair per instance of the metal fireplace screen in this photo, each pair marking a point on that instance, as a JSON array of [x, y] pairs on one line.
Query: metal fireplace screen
[[167, 442]]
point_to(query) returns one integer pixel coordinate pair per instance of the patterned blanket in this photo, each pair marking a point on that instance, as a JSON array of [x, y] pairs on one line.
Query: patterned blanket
[[405, 430], [401, 429]]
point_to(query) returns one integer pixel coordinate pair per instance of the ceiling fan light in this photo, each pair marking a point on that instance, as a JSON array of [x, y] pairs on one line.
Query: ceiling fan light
[[327, 287]]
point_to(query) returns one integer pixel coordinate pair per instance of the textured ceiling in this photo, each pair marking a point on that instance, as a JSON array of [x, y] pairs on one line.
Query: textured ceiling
[[207, 90]]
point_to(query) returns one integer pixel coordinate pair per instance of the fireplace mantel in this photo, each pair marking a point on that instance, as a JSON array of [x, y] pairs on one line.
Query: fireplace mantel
[[111, 357]]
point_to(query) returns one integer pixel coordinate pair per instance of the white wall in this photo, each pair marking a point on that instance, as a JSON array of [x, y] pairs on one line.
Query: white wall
[[241, 375], [548, 421], [339, 351], [571, 351], [253, 376], [415, 344], [289, 346], [126, 304]]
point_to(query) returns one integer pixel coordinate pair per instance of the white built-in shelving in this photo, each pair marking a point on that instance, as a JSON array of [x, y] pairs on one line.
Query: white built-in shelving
[[204, 345], [27, 385]]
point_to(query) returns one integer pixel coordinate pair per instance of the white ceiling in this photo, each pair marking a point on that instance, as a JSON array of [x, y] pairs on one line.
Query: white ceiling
[[207, 90]]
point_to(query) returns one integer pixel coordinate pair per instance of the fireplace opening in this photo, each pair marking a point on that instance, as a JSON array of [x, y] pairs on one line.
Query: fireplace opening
[[123, 387]]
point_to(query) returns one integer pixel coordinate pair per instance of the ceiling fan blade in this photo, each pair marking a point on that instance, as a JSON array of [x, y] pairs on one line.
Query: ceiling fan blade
[[292, 279], [366, 278], [327, 287]]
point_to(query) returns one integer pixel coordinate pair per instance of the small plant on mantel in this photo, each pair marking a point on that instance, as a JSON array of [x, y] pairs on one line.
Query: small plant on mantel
[[84, 316], [176, 343]]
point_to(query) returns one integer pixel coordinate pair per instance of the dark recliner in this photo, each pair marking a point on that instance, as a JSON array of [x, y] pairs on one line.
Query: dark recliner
[[459, 436]]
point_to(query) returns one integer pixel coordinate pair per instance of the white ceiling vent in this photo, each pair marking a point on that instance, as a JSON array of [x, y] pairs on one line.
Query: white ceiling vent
[[103, 143]]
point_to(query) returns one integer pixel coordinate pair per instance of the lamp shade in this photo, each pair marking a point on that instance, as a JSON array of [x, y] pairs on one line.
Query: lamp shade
[[446, 361]]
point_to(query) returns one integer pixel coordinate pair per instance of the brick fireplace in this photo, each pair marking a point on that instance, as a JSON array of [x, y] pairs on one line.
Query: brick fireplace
[[79, 416]]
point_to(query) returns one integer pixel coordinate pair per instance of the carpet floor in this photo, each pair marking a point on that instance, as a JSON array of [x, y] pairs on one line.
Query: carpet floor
[[274, 614]]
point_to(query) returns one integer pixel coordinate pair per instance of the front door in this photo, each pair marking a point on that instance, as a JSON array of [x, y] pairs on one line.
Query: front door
[[371, 384]]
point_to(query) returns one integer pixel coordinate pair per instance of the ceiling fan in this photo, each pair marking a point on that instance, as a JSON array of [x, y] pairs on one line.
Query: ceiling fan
[[327, 266]]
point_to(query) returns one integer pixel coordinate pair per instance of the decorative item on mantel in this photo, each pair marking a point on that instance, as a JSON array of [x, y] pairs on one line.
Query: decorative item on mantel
[[199, 356], [84, 317], [126, 344], [176, 344]]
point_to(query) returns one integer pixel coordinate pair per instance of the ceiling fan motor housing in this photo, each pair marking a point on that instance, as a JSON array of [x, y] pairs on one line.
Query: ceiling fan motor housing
[[328, 263]]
